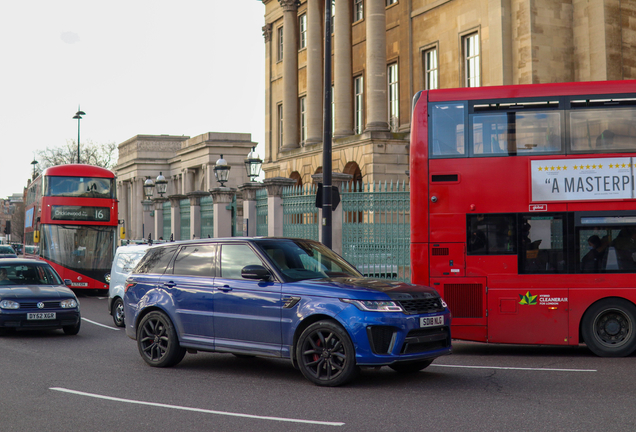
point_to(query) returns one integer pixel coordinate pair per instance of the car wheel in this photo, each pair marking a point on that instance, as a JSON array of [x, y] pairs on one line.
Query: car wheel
[[73, 329], [157, 341], [608, 328], [411, 367], [118, 312], [325, 354]]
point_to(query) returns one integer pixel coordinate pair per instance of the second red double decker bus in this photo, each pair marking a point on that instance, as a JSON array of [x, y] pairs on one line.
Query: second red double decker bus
[[523, 213], [71, 214]]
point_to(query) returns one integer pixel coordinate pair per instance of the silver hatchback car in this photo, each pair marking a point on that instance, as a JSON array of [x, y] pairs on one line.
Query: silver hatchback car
[[126, 258]]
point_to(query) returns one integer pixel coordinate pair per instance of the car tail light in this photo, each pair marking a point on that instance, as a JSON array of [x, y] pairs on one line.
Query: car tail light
[[129, 285]]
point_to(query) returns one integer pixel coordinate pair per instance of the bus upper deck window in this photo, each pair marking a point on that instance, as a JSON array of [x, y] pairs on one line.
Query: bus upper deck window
[[603, 130], [447, 129], [512, 133]]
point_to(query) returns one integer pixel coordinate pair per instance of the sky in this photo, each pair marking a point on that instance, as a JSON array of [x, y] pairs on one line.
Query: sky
[[134, 67]]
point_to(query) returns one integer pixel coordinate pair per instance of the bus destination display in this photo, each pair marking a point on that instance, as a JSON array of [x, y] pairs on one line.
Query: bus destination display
[[80, 213]]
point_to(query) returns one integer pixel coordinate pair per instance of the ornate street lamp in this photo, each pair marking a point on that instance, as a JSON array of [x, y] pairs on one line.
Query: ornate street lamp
[[78, 115], [253, 165], [221, 171], [162, 184], [149, 187]]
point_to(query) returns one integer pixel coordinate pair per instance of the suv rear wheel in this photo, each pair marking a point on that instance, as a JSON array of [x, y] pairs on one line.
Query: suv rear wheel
[[157, 341]]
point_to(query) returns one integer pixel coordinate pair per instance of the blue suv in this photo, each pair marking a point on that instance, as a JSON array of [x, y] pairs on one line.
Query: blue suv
[[280, 297]]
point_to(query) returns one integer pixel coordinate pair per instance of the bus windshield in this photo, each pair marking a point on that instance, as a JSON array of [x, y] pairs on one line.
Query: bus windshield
[[86, 187], [85, 249]]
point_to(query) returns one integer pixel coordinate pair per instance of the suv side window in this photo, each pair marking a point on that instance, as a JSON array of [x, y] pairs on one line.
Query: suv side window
[[234, 257], [195, 260], [156, 260]]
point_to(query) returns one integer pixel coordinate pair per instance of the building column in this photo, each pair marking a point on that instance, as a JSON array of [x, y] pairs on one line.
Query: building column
[[221, 197], [314, 73], [175, 215], [343, 97], [274, 188], [248, 191], [377, 103], [337, 180], [159, 217], [195, 212], [290, 74], [138, 211], [122, 193]]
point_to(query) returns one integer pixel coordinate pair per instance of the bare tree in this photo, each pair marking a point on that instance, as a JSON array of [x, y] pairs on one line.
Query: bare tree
[[17, 223], [103, 155]]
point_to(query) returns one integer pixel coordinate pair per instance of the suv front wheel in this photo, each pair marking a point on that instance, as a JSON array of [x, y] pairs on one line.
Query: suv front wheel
[[325, 354]]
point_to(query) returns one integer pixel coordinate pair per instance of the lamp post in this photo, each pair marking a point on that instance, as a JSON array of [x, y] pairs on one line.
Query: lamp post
[[253, 165], [149, 189], [162, 184], [78, 115], [221, 171]]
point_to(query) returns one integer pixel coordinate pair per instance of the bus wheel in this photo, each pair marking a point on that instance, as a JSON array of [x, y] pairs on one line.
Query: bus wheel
[[157, 341], [609, 328]]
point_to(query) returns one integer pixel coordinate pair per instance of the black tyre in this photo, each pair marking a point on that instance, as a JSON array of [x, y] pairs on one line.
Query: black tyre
[[325, 354], [73, 329], [157, 341], [608, 328], [118, 312], [411, 367]]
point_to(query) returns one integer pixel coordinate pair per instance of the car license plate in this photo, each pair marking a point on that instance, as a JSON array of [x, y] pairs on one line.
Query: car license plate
[[432, 321], [41, 316]]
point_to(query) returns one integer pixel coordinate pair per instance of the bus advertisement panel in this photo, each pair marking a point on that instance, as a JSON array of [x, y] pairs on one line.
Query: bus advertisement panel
[[523, 213], [71, 214]]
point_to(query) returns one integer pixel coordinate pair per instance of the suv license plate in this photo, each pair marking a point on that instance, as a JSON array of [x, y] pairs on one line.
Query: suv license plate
[[41, 316], [432, 321]]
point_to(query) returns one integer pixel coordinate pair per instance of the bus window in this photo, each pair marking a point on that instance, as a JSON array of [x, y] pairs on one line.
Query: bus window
[[603, 130], [511, 133], [447, 129], [607, 249], [541, 247], [491, 234]]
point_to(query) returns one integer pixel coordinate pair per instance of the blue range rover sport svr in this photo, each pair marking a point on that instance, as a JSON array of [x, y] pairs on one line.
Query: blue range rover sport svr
[[280, 297]]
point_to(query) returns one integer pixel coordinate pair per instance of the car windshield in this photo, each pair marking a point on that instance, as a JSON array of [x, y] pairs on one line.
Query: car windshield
[[28, 274], [6, 250], [300, 260]]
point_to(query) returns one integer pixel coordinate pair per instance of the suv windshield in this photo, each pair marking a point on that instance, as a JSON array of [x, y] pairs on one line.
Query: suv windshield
[[300, 260]]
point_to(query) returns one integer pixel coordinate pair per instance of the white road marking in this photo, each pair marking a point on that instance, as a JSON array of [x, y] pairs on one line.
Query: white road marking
[[515, 368], [101, 325], [131, 401]]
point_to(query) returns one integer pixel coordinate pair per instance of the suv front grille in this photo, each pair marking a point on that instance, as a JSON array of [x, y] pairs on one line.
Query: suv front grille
[[421, 306], [422, 340]]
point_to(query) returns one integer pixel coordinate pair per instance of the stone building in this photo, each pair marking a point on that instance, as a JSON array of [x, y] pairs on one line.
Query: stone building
[[384, 51], [188, 166]]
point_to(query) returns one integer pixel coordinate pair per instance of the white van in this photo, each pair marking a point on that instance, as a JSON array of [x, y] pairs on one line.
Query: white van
[[126, 258]]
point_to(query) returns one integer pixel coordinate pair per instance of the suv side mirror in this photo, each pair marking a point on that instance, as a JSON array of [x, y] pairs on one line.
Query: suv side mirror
[[256, 272]]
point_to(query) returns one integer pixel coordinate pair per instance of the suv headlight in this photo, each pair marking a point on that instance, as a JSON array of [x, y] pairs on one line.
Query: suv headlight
[[9, 304], [375, 305], [68, 304]]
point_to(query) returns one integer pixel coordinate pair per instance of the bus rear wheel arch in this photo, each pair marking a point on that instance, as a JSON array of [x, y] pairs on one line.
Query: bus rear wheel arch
[[608, 327]]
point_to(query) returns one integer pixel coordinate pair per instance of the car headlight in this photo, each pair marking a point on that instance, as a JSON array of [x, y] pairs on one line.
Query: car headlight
[[375, 305], [9, 304], [107, 278], [68, 304]]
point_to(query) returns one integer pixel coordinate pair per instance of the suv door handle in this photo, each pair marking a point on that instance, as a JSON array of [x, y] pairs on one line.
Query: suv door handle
[[224, 288], [169, 284]]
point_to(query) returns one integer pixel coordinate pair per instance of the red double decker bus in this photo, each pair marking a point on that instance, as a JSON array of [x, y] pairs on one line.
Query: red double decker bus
[[523, 213], [71, 214]]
